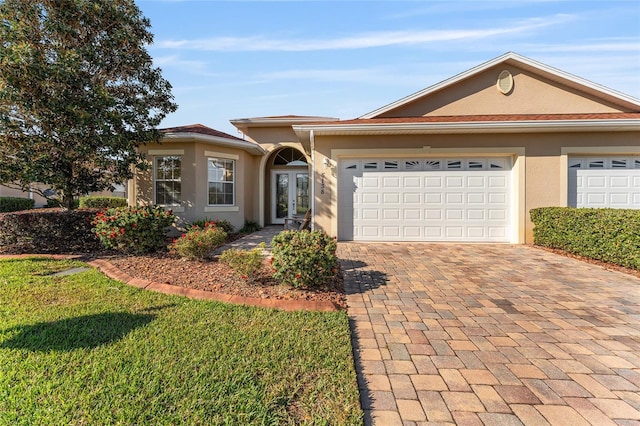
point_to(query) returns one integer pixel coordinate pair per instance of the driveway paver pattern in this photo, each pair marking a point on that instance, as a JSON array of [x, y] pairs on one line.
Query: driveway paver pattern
[[491, 335]]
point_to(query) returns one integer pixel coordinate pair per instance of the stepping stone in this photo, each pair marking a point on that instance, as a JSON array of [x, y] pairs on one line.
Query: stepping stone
[[71, 271]]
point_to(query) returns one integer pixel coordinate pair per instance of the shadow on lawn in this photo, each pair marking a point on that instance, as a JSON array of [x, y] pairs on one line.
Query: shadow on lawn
[[87, 331]]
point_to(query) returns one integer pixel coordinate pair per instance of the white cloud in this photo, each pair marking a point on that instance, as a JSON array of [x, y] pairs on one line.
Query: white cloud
[[359, 41]]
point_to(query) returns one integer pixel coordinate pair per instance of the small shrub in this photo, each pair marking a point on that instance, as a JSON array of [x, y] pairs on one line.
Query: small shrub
[[15, 204], [53, 203], [48, 231], [133, 229], [96, 202], [246, 263], [223, 224], [609, 235], [198, 243], [250, 226], [304, 258]]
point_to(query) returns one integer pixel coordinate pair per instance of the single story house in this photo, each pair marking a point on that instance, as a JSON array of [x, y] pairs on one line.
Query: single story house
[[463, 160]]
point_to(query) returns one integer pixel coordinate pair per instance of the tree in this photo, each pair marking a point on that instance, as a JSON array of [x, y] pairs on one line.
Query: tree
[[78, 94]]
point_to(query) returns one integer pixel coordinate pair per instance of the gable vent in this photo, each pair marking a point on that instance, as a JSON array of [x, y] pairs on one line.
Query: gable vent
[[505, 82]]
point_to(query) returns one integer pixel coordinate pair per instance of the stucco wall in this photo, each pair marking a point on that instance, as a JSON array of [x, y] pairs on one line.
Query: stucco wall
[[194, 204], [531, 94]]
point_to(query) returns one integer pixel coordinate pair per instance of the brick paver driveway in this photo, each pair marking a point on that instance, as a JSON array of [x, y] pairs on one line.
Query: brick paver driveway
[[491, 334]]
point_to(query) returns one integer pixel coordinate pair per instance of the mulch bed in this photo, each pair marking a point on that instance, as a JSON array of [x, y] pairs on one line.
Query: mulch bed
[[605, 265], [216, 277]]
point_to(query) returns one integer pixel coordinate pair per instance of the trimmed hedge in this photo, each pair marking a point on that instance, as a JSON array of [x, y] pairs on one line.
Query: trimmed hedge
[[99, 202], [609, 235], [15, 204], [48, 231]]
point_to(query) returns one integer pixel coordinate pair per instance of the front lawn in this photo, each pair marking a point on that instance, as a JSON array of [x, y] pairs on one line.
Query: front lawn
[[84, 349]]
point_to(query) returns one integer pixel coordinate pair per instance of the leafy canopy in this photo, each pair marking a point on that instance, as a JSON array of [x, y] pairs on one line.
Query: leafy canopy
[[78, 94]]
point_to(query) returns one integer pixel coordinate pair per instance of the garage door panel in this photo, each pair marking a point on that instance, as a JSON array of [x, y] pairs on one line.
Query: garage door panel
[[454, 198], [411, 214], [391, 182], [454, 214], [411, 181], [425, 200], [412, 198], [371, 198], [476, 182], [433, 182], [601, 182], [391, 214], [391, 198]]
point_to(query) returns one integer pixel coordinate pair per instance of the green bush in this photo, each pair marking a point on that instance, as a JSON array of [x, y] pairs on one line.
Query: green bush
[[246, 263], [198, 243], [303, 258], [96, 202], [250, 226], [15, 204], [56, 202], [223, 224], [609, 235], [48, 231], [133, 229]]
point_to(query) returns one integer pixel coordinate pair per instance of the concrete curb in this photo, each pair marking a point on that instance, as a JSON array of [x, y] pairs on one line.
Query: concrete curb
[[113, 272]]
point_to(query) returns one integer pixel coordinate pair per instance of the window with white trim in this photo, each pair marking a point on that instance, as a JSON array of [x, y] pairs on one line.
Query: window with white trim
[[221, 182], [167, 180]]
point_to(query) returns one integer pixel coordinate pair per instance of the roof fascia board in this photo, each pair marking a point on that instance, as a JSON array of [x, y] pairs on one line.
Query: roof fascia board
[[507, 57], [250, 147], [537, 126]]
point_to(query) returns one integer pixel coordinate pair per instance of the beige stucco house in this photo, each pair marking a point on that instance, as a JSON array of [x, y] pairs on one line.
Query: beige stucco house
[[463, 160]]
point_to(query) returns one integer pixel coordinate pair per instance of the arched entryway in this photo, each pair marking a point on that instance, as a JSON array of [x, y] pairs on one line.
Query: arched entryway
[[288, 189]]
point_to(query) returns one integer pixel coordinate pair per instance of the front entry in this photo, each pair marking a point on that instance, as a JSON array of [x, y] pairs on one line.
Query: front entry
[[290, 194]]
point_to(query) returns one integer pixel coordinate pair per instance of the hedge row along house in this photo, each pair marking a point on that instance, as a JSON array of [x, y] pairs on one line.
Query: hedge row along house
[[463, 160]]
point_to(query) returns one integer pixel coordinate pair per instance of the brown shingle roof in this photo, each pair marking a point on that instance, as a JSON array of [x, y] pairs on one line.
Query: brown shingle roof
[[489, 118], [201, 129]]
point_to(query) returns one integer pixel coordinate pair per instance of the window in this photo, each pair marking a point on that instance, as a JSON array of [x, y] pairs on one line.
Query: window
[[168, 185], [221, 179]]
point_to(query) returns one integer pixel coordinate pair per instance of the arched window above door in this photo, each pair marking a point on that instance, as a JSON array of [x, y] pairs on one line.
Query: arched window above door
[[289, 157]]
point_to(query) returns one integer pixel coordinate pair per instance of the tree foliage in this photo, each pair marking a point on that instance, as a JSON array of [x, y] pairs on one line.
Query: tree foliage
[[78, 93]]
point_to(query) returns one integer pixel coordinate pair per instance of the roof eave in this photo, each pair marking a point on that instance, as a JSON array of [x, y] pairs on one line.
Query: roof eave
[[537, 126], [249, 147]]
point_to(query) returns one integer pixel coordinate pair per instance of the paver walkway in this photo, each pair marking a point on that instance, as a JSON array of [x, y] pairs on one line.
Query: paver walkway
[[491, 334]]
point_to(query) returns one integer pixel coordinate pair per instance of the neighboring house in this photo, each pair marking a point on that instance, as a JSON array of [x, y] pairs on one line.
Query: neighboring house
[[464, 160]]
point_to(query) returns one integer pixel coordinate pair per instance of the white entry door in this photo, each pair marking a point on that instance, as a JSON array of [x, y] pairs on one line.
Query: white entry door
[[289, 194], [418, 199]]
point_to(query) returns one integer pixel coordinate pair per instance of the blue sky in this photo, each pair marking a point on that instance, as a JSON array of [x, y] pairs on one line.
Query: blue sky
[[238, 59]]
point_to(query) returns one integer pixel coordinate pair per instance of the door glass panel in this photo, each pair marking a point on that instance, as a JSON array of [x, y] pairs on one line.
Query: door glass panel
[[282, 195], [302, 193]]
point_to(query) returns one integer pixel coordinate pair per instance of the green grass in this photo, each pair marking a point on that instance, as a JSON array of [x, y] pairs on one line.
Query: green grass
[[84, 349]]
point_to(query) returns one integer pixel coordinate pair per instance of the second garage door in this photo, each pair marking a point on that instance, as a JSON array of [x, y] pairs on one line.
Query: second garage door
[[433, 199]]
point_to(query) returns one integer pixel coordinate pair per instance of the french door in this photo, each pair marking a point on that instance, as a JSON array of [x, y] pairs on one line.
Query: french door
[[289, 194]]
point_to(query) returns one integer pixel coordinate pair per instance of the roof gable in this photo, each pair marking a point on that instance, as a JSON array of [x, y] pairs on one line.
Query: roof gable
[[537, 89]]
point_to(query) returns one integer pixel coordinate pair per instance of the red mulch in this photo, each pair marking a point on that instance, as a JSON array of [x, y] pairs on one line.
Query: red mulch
[[214, 276]]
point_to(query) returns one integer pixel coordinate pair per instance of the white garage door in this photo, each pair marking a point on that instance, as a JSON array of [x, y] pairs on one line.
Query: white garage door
[[434, 199], [604, 182]]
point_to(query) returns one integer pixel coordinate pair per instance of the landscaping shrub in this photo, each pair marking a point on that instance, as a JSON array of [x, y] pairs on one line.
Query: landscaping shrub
[[250, 226], [48, 231], [133, 229], [246, 263], [304, 258], [99, 202], [223, 224], [609, 235], [56, 203], [198, 243], [15, 204]]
